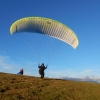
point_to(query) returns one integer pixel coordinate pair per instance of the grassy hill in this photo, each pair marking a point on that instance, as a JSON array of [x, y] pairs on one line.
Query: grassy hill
[[17, 87]]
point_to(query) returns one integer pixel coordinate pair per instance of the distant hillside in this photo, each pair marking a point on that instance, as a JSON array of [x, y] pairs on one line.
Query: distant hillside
[[86, 79], [17, 87]]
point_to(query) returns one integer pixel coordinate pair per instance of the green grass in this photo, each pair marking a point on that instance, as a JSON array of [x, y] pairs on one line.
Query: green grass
[[18, 87]]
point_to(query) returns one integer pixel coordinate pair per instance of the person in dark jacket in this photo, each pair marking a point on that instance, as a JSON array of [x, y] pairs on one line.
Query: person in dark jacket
[[41, 70], [21, 71]]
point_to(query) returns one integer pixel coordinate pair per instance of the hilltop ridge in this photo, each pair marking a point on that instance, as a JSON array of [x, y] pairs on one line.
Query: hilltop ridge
[[17, 87]]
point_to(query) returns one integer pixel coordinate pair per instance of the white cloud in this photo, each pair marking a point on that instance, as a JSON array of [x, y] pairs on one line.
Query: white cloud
[[72, 73], [9, 66], [31, 68], [4, 62], [83, 75]]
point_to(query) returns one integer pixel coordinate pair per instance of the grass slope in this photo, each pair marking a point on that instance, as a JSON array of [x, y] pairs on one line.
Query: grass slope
[[17, 87]]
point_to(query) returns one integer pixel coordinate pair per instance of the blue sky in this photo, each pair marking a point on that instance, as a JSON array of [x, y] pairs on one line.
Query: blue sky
[[82, 16]]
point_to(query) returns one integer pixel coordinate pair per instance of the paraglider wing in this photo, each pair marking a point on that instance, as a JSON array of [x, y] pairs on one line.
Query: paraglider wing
[[45, 26]]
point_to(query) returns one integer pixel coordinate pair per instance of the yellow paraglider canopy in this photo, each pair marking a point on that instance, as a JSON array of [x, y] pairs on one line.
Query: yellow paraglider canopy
[[45, 26]]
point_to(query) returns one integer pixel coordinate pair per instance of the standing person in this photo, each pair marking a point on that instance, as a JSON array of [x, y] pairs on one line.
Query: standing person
[[41, 70]]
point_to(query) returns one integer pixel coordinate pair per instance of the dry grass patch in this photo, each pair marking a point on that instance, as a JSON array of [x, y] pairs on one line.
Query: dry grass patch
[[17, 87]]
